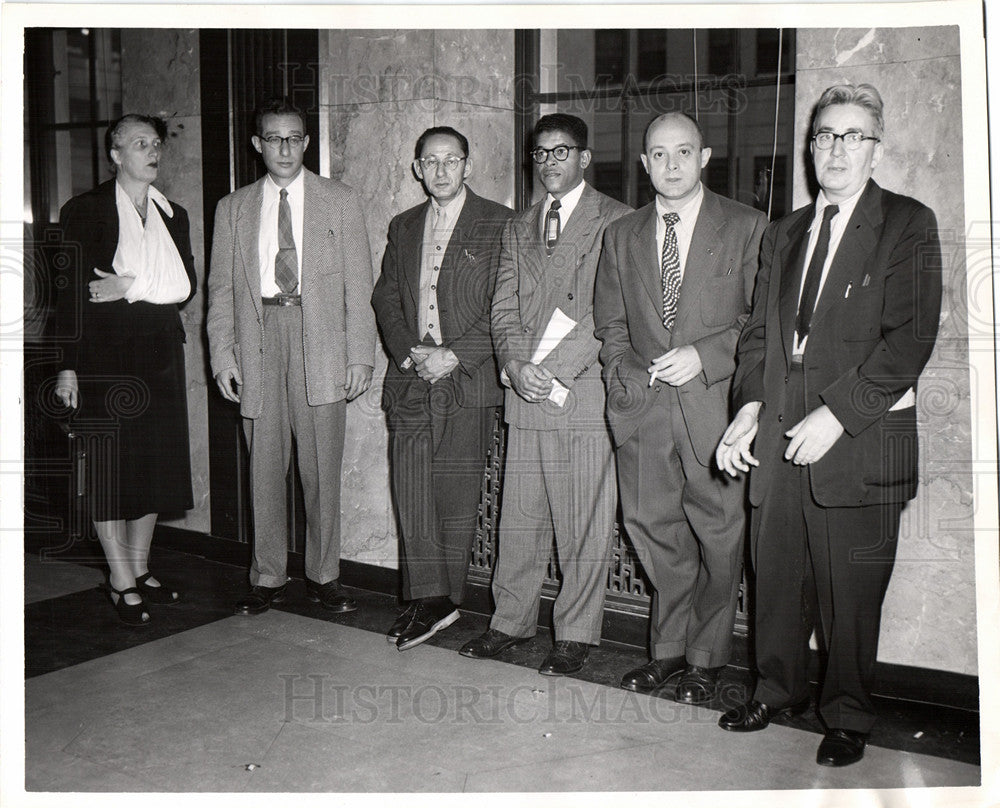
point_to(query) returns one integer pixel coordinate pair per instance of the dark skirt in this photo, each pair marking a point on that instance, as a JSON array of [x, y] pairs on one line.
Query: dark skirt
[[133, 419]]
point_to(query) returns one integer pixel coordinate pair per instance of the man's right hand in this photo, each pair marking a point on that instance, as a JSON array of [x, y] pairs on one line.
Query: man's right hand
[[230, 381], [733, 453], [531, 382]]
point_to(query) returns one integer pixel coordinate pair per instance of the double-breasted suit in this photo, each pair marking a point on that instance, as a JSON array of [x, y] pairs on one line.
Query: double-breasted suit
[[559, 473], [872, 332], [685, 521], [310, 345], [440, 433]]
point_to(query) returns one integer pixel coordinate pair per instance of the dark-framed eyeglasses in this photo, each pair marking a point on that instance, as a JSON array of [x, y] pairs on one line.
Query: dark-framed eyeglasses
[[275, 141], [851, 140], [560, 152]]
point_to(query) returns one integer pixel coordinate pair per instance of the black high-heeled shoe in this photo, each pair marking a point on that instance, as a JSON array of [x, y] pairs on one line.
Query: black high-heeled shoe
[[131, 614], [159, 595]]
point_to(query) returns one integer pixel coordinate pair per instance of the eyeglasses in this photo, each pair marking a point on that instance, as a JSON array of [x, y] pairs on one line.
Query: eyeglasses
[[275, 141], [851, 140], [430, 164], [560, 152]]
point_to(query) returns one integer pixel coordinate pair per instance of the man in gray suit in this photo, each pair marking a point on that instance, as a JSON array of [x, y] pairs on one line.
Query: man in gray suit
[[673, 290], [292, 338], [559, 476]]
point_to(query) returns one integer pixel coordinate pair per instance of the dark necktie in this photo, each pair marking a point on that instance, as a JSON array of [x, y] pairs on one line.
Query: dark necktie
[[552, 225], [670, 270], [286, 264], [811, 288]]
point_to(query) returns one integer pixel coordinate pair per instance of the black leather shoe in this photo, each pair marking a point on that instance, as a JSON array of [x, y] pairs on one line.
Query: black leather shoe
[[566, 657], [647, 678], [841, 747], [260, 598], [698, 685], [330, 596], [430, 616], [489, 644], [401, 623], [754, 715]]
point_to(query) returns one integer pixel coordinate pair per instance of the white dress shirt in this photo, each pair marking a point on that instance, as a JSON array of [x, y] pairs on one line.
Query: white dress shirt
[[267, 240], [684, 228], [566, 207]]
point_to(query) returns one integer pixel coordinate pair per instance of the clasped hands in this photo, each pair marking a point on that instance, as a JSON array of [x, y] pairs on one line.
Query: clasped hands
[[531, 382], [433, 363], [809, 440]]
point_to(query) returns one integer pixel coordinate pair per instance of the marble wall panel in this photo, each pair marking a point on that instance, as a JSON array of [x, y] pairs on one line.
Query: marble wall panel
[[475, 67], [929, 613], [161, 72], [371, 67]]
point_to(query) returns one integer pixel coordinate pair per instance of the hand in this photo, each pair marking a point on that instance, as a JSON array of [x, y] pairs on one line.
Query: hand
[[676, 367], [109, 288], [359, 379], [230, 382], [733, 452], [435, 364], [68, 389], [531, 382], [813, 436]]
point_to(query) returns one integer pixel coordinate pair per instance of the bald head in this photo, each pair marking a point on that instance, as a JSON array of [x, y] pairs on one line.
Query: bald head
[[677, 117]]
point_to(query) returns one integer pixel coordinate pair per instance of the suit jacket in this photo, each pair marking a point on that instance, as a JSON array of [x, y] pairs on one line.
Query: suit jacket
[[531, 284], [89, 239], [338, 327], [714, 303], [465, 289], [871, 334]]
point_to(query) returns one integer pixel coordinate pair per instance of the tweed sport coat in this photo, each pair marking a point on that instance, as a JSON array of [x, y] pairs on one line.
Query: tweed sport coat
[[338, 325]]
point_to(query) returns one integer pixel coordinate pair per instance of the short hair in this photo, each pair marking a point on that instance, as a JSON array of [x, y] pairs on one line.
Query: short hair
[[693, 120], [561, 122], [862, 95], [276, 106], [112, 137], [463, 141]]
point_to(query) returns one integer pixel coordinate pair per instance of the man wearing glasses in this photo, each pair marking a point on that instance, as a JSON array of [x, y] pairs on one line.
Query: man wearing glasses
[[432, 305], [292, 339], [844, 318], [559, 478]]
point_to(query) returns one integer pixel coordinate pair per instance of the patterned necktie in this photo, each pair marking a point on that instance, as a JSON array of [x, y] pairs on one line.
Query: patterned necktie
[[811, 288], [552, 225], [670, 270], [286, 263]]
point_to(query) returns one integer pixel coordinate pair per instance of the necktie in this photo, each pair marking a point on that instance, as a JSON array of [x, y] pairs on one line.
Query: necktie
[[286, 264], [552, 225], [670, 270], [814, 273]]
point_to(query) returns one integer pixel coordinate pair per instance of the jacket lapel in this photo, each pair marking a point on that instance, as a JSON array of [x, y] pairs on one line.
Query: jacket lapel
[[702, 255], [642, 257], [793, 255], [248, 230], [412, 239]]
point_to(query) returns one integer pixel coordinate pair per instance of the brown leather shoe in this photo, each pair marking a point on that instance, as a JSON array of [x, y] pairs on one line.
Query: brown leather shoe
[[489, 644], [654, 674], [698, 685], [330, 596], [755, 715], [566, 657], [841, 747], [260, 598]]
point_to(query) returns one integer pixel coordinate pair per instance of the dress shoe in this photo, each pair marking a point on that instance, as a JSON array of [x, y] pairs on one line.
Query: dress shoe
[[401, 623], [489, 644], [841, 747], [754, 715], [260, 598], [698, 685], [160, 595], [430, 616], [647, 678], [566, 657], [330, 596]]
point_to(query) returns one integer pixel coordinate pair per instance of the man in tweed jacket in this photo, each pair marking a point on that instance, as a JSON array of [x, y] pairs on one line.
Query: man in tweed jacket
[[292, 339]]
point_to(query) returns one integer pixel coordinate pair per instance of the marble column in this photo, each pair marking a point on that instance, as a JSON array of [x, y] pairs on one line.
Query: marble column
[[929, 618]]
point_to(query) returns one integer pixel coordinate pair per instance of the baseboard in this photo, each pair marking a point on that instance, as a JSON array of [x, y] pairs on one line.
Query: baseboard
[[623, 624]]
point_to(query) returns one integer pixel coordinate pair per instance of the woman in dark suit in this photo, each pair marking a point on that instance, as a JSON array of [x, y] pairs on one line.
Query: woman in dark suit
[[130, 258]]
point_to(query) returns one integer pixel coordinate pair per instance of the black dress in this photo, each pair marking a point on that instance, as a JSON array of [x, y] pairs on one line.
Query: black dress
[[129, 361]]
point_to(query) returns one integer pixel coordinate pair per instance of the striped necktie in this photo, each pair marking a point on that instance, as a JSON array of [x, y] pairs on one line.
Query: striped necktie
[[552, 224]]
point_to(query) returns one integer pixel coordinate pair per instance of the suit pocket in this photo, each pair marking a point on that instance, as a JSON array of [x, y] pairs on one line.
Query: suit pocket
[[722, 300]]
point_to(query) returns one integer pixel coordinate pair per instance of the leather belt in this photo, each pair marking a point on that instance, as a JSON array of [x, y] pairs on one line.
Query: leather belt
[[282, 300]]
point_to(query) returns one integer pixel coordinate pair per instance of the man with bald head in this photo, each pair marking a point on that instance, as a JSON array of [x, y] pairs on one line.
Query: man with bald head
[[674, 287]]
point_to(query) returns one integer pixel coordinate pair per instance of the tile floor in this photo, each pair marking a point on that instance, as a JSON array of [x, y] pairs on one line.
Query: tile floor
[[295, 700]]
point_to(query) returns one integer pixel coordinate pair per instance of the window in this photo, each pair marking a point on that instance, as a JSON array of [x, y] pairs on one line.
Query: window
[[618, 80]]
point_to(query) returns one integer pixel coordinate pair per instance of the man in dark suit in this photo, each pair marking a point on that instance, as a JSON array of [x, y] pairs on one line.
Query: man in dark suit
[[432, 305], [292, 339], [674, 287], [559, 473], [844, 318]]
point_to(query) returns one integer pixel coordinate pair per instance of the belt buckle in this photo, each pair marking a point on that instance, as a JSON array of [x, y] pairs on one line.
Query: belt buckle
[[286, 299]]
